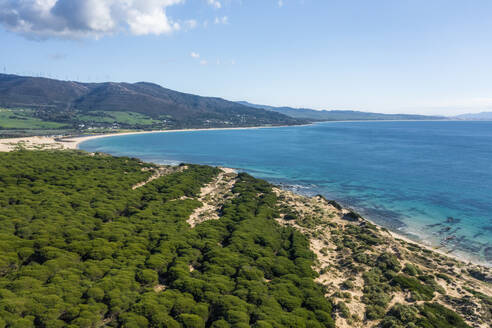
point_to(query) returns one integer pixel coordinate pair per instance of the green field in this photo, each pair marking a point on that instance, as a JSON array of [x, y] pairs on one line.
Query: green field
[[24, 119], [116, 117], [20, 122]]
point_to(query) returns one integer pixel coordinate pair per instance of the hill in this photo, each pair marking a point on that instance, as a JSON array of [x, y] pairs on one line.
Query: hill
[[339, 115], [126, 105], [94, 240], [483, 116]]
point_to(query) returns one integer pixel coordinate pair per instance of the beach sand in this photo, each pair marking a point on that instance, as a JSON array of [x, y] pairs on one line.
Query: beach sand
[[57, 142], [34, 143], [338, 245]]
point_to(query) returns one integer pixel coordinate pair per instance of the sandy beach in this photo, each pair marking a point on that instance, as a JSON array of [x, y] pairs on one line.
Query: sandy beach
[[56, 142]]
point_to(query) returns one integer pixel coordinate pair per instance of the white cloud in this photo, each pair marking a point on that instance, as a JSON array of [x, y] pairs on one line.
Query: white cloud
[[280, 3], [203, 62], [195, 55], [215, 3], [221, 20], [82, 18]]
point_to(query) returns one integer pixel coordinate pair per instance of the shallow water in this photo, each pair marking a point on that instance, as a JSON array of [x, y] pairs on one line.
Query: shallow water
[[431, 180]]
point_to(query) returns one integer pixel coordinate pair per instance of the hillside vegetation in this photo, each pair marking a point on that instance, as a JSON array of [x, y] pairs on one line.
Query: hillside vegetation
[[126, 105], [376, 280], [90, 240], [24, 119], [85, 244]]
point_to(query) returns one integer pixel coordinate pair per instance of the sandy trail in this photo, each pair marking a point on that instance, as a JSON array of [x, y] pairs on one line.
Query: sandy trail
[[159, 172], [213, 196]]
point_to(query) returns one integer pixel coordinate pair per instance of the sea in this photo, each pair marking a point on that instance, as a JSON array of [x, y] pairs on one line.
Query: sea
[[428, 180]]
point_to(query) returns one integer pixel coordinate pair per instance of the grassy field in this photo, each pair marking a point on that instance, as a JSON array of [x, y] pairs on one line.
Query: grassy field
[[24, 119], [116, 117], [23, 122]]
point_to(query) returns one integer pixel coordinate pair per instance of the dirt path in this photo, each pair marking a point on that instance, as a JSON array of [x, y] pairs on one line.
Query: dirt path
[[159, 172], [213, 196]]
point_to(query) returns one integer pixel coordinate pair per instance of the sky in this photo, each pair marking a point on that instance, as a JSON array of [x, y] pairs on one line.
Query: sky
[[390, 56]]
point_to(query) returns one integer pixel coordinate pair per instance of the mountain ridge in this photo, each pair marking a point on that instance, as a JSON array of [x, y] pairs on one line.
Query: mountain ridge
[[482, 116], [59, 100], [339, 115]]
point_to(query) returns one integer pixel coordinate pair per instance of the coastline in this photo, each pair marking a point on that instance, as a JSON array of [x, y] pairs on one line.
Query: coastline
[[428, 244], [75, 142], [410, 238], [59, 143], [437, 249], [432, 245], [462, 257], [349, 262]]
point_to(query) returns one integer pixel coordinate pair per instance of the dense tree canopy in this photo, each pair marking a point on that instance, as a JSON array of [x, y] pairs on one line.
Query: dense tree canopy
[[80, 248]]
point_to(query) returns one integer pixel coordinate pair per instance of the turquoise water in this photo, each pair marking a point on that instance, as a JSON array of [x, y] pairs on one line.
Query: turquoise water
[[429, 180]]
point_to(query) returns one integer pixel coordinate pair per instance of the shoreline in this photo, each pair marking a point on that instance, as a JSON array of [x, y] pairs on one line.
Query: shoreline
[[73, 143], [346, 257], [429, 244], [432, 245], [463, 257], [54, 142], [423, 241], [78, 140]]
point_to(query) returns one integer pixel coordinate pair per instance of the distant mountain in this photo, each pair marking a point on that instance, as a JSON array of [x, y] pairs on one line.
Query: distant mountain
[[339, 115], [66, 100], [483, 116]]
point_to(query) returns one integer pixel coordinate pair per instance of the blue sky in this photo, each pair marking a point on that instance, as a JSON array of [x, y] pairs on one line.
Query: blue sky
[[393, 56]]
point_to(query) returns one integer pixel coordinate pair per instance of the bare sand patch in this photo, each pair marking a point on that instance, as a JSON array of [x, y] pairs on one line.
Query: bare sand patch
[[326, 225], [213, 196]]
